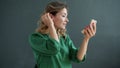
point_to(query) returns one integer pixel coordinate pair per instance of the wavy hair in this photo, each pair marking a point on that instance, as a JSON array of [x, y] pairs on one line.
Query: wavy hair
[[52, 8]]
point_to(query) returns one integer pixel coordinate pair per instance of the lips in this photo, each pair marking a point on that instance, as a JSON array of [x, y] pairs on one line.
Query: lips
[[64, 23]]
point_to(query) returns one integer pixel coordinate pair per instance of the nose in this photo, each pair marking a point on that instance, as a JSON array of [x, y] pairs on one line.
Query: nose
[[67, 20]]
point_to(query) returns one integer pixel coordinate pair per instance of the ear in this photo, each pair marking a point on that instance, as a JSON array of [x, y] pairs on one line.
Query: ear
[[52, 16]]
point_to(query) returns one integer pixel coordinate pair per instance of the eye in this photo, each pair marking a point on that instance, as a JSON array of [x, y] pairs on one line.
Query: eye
[[63, 15]]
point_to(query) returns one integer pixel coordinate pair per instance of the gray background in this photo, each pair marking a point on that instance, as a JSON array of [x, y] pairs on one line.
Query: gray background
[[18, 19]]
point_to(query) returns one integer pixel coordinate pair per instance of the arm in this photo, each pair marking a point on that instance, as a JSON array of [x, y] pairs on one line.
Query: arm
[[47, 19], [44, 45], [83, 48], [53, 33], [88, 32]]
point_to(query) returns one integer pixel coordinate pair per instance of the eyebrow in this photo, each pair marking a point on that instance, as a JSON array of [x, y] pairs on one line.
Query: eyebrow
[[65, 13]]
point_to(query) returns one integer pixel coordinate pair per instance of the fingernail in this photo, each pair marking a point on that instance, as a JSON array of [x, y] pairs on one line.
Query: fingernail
[[86, 27]]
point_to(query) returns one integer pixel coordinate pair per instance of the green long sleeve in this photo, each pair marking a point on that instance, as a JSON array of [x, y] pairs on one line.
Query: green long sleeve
[[52, 54], [73, 51], [44, 44]]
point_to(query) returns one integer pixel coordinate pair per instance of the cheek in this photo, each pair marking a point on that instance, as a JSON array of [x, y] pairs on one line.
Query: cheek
[[57, 21]]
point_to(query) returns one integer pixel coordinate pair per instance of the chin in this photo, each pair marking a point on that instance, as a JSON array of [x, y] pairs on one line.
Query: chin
[[63, 28]]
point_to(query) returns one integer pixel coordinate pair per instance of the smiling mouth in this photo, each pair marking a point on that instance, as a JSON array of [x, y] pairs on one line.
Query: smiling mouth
[[64, 24]]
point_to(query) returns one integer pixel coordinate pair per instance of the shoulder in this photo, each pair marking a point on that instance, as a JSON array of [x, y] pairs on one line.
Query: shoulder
[[37, 35], [67, 36]]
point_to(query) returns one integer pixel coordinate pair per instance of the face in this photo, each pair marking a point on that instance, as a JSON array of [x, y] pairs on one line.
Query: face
[[60, 19]]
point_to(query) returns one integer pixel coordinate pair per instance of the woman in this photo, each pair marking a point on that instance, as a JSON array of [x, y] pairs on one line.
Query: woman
[[52, 46]]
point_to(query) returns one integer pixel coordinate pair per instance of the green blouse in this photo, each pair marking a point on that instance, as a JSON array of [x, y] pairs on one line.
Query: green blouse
[[52, 54]]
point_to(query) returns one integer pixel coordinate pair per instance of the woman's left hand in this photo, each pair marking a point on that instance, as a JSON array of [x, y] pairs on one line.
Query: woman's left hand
[[90, 30]]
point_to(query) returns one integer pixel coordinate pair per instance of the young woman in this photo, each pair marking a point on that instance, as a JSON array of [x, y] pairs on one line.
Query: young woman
[[52, 46]]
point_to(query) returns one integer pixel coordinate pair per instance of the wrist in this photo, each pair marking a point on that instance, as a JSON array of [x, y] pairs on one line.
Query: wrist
[[86, 38], [51, 26]]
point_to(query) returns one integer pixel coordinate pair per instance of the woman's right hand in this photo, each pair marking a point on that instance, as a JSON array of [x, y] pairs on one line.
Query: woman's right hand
[[47, 19]]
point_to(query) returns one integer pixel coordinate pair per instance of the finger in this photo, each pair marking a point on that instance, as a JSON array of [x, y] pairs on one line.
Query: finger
[[95, 27], [48, 16], [91, 28], [89, 31], [94, 22], [86, 33], [83, 31], [44, 19]]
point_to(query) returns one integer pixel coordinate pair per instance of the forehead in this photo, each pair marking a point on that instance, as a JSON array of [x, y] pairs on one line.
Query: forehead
[[63, 11]]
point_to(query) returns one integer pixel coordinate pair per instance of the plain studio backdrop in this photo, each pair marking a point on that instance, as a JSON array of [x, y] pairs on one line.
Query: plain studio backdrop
[[18, 19]]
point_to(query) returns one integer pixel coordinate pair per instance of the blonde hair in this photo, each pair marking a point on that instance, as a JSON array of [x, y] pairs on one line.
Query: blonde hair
[[52, 8]]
